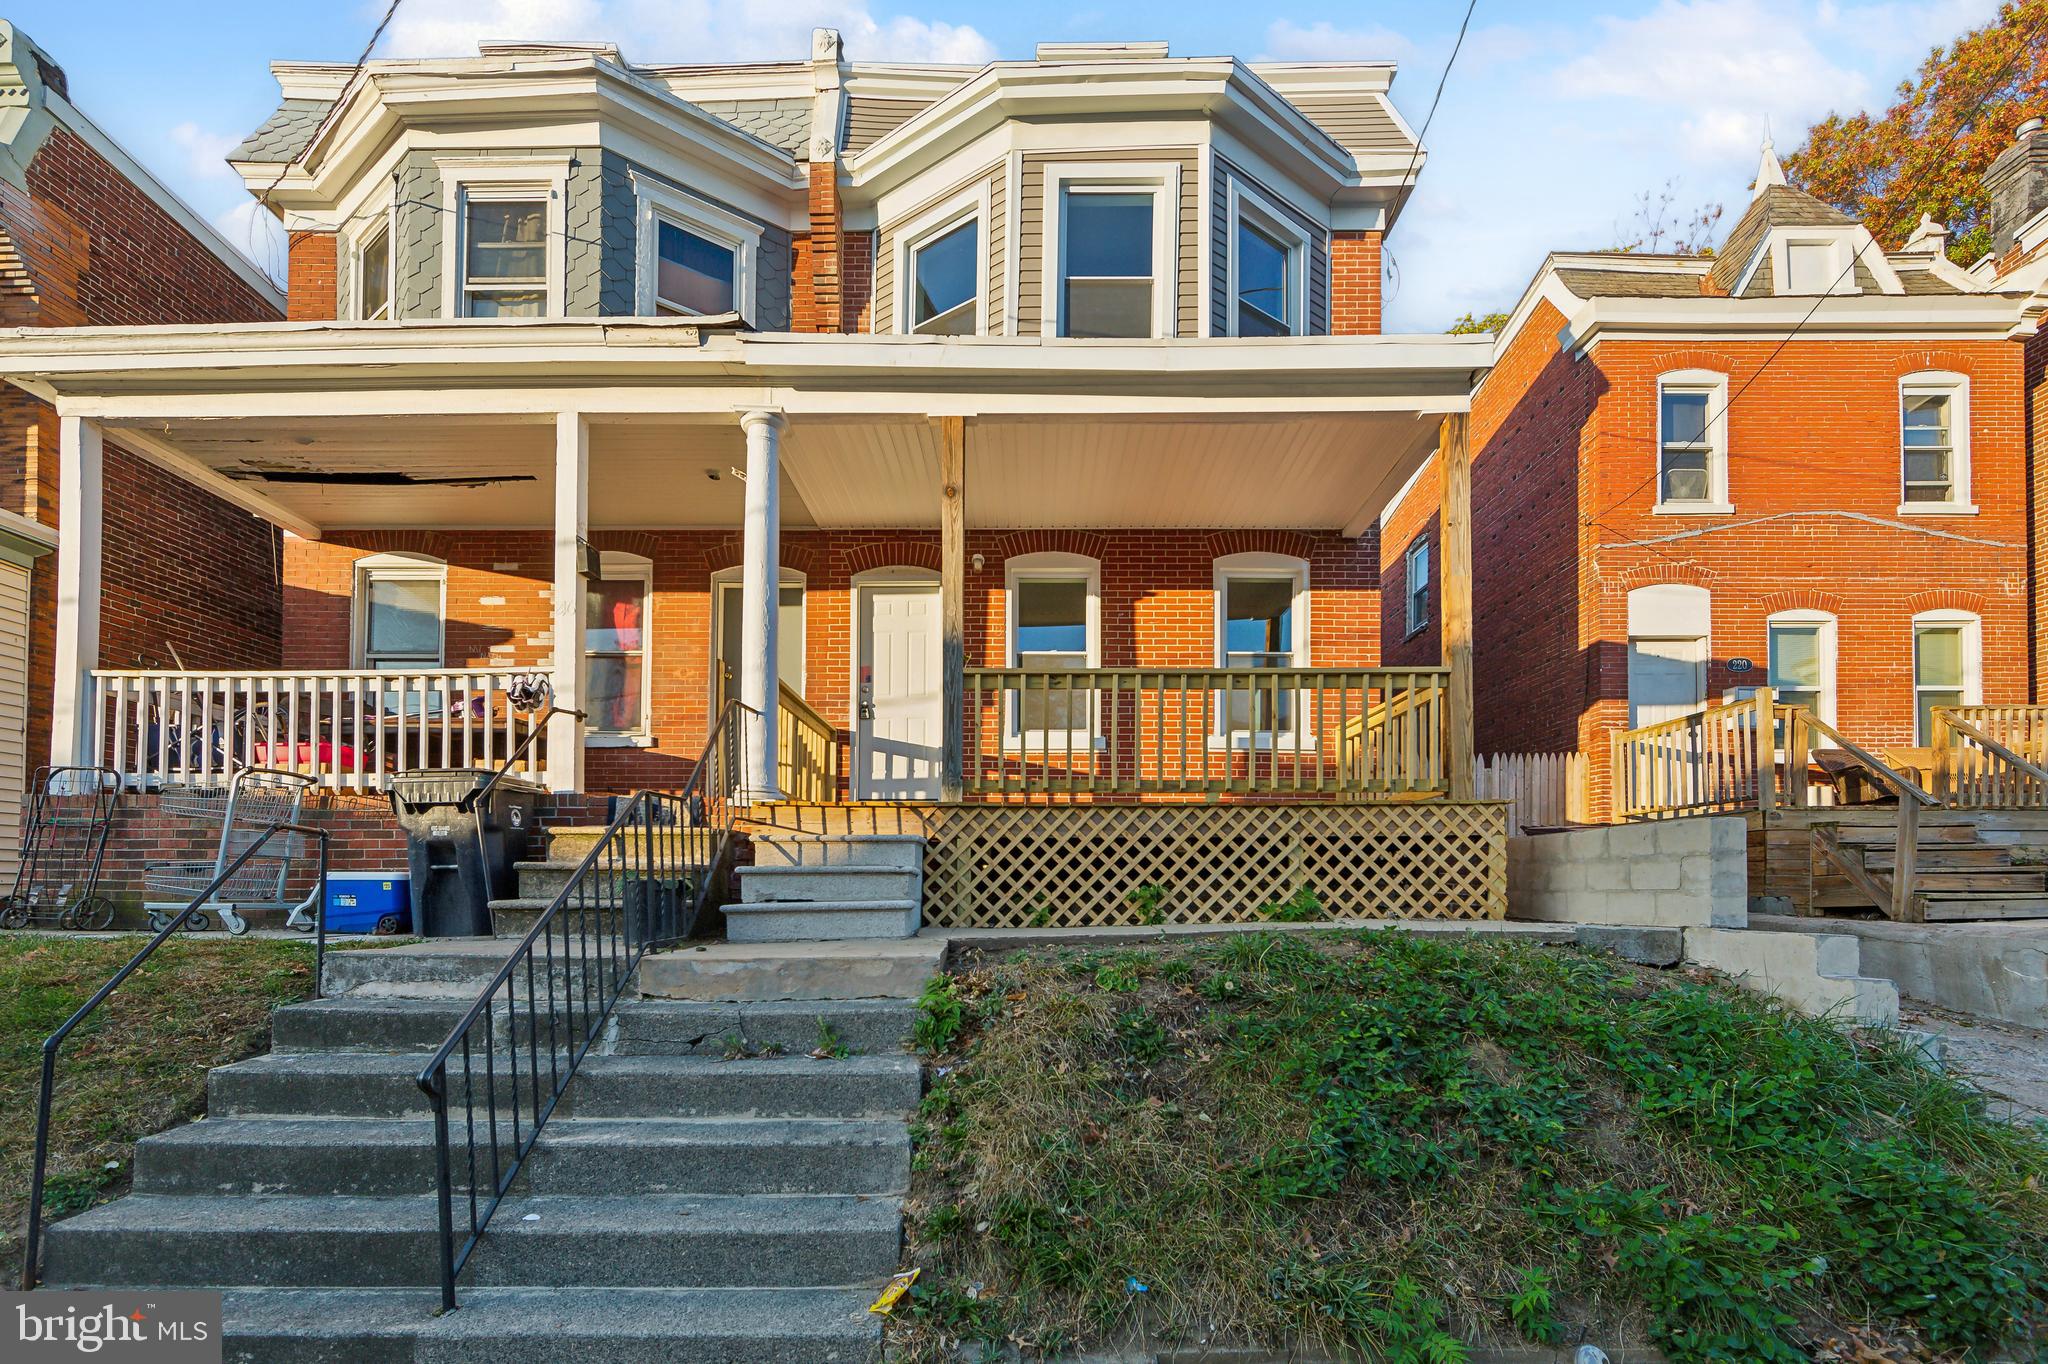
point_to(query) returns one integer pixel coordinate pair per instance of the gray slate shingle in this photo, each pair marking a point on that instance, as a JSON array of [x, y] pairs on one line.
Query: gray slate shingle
[[285, 133]]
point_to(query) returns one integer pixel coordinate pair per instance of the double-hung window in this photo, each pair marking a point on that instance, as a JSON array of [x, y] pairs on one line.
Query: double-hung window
[[693, 258], [1261, 624], [1418, 586], [1692, 448], [615, 638], [1946, 666], [1110, 253], [400, 603], [945, 270], [504, 255], [1268, 268], [1054, 618], [1802, 661], [373, 275], [1934, 444], [694, 275]]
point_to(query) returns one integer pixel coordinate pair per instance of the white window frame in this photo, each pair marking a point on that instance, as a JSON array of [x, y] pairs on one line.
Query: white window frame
[[1260, 212], [1049, 567], [498, 178], [614, 565], [1973, 659], [1956, 387], [1715, 385], [733, 577], [1826, 644], [1416, 620], [1277, 567], [1160, 179], [972, 204], [656, 202], [395, 567], [384, 224]]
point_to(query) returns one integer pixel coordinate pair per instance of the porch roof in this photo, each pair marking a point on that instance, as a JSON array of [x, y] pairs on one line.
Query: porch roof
[[319, 425]]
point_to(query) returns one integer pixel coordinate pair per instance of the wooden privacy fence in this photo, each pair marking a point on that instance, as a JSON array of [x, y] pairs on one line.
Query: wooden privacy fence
[[1543, 790], [1021, 866], [1083, 734], [351, 730]]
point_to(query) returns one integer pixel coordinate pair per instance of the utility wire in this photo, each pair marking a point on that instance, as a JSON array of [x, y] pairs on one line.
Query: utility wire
[[1416, 154], [363, 60], [1968, 120]]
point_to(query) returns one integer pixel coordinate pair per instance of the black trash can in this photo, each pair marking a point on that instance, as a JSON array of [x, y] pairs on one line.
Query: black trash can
[[461, 859]]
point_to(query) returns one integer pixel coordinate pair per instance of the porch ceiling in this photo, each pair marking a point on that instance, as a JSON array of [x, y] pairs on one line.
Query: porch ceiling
[[1325, 470]]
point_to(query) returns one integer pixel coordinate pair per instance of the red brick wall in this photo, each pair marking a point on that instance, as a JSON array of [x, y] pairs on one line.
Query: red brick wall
[[2035, 416], [818, 287], [1158, 607], [314, 293], [858, 264], [1563, 528], [1355, 283], [181, 566]]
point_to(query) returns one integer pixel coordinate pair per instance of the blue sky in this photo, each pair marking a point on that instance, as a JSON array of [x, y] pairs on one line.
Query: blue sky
[[1556, 117]]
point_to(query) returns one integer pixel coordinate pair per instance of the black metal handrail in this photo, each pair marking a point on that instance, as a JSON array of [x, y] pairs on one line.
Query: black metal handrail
[[645, 884], [31, 1253]]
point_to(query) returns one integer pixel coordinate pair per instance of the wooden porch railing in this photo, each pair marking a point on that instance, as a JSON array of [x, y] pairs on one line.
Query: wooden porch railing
[[807, 751], [1357, 733], [1696, 764], [1990, 757], [351, 730]]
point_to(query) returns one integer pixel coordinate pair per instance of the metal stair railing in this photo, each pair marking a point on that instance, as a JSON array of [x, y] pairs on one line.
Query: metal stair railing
[[31, 1255], [506, 1064]]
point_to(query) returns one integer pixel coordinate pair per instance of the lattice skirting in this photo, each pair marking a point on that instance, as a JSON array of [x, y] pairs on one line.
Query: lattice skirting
[[994, 866]]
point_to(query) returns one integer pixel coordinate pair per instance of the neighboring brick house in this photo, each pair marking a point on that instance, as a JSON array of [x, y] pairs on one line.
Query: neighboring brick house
[[88, 237], [1798, 461]]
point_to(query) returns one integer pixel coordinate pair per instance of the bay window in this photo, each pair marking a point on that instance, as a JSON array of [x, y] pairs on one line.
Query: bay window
[[1110, 266]]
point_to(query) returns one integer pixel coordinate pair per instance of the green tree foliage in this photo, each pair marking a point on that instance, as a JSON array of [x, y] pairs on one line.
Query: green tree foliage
[[1470, 325], [1929, 151]]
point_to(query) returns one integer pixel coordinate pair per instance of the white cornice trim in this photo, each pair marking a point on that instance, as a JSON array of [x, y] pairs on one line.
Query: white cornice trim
[[1836, 317]]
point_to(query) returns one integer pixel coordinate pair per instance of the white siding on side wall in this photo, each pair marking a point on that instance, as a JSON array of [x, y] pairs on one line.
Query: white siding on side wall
[[14, 766]]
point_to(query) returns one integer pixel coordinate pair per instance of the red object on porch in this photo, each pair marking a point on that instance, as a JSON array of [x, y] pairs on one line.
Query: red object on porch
[[340, 757]]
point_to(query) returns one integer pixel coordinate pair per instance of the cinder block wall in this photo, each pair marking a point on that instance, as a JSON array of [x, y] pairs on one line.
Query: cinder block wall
[[1679, 873]]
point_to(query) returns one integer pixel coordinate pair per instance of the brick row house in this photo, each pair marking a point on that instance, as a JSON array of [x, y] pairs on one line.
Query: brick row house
[[89, 238], [763, 384], [1801, 461]]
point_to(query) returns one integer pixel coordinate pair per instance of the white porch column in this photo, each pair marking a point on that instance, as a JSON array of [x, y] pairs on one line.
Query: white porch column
[[760, 599], [80, 485], [572, 525]]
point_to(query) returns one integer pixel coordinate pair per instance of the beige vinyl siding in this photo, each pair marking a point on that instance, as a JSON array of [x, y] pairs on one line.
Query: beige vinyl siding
[[13, 713], [868, 119], [1221, 245], [1357, 123], [1031, 233], [997, 229]]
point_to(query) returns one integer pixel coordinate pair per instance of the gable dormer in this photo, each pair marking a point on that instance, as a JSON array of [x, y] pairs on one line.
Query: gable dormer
[[1789, 244]]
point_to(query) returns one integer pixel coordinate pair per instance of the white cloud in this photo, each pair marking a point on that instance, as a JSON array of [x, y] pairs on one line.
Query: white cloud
[[256, 233], [683, 30], [1322, 41], [205, 152]]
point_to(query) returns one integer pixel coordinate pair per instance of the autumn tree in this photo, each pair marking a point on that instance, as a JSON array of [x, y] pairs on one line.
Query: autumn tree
[[1929, 151], [1472, 325], [1660, 227]]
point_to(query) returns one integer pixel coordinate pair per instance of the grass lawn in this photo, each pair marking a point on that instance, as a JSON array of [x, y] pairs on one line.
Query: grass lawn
[[1405, 1146], [137, 1066]]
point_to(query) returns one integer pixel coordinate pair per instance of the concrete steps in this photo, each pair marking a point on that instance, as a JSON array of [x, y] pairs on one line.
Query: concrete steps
[[829, 886], [677, 1205]]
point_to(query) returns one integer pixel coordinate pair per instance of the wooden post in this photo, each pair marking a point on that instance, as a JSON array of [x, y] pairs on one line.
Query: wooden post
[[1944, 740], [1457, 598], [1905, 907], [1766, 749], [953, 603]]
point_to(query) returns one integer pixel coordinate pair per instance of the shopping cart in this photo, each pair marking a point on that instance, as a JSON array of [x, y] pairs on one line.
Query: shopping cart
[[256, 801], [63, 841]]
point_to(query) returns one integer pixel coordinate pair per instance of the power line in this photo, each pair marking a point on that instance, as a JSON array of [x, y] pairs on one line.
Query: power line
[[361, 61], [1969, 119], [1416, 153]]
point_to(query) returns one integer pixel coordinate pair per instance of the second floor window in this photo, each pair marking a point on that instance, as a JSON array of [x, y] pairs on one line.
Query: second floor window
[[1929, 452], [373, 277], [694, 275], [505, 256], [1265, 301], [1692, 454], [1107, 280], [943, 274]]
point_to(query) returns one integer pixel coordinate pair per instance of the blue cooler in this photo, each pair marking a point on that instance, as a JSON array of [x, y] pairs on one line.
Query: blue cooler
[[369, 902]]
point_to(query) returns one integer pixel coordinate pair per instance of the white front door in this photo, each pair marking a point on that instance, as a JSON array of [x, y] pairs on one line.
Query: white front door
[[1667, 678], [898, 728]]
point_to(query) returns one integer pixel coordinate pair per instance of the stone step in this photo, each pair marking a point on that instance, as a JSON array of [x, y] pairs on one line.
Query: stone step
[[871, 969], [573, 842], [902, 851], [806, 921], [385, 1085], [368, 1157], [546, 880], [776, 884], [767, 1087], [641, 1240], [370, 1022], [692, 1028], [544, 1326], [1946, 908]]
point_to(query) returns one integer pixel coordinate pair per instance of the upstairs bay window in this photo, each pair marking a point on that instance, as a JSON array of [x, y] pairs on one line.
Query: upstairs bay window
[[373, 276], [692, 257], [1268, 269], [945, 271], [694, 275], [1692, 450], [1934, 461], [1111, 262], [504, 257]]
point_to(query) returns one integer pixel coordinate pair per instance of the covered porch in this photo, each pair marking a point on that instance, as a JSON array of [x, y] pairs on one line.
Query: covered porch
[[922, 571]]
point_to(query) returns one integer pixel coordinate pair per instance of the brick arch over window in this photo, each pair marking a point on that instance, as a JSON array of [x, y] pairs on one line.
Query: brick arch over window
[[646, 544], [1946, 599], [1663, 571], [1800, 599], [1291, 543], [1696, 357], [1959, 362], [427, 542], [1086, 543], [731, 553], [893, 554]]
